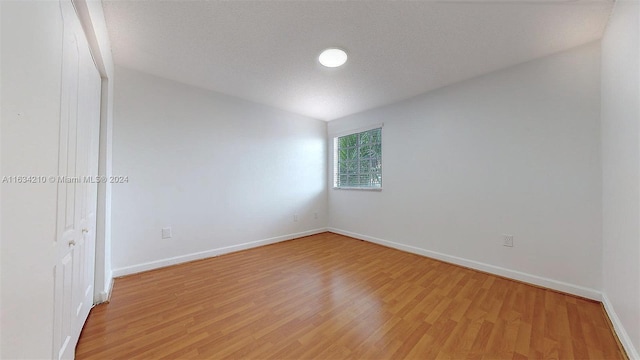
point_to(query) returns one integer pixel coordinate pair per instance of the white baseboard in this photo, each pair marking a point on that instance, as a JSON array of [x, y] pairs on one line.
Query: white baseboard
[[128, 270], [107, 292], [492, 269], [623, 336], [104, 291]]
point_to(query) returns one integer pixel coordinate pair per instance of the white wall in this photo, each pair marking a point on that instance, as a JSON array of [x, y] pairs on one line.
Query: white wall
[[621, 171], [221, 171], [513, 152], [29, 146]]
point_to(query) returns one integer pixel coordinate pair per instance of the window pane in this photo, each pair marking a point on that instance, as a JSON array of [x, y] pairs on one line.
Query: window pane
[[352, 140], [342, 154], [365, 137], [352, 153], [359, 159], [365, 151], [342, 168], [376, 150], [343, 180], [375, 179], [376, 136], [352, 167], [365, 166], [375, 165], [343, 141], [365, 180]]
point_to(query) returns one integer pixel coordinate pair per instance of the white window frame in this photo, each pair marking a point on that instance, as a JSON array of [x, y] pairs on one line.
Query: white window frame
[[335, 157]]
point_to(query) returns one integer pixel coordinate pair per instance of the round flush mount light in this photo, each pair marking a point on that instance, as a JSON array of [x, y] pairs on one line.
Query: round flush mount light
[[333, 57]]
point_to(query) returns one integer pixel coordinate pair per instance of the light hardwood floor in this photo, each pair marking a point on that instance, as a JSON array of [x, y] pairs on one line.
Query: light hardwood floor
[[332, 297]]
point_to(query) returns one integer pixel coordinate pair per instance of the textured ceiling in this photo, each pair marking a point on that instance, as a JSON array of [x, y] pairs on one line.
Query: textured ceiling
[[266, 51]]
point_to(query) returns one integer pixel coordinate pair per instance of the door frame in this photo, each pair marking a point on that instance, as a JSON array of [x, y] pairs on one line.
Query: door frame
[[93, 24]]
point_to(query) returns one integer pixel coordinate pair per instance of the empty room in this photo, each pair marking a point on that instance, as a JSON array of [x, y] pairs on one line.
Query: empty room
[[320, 179]]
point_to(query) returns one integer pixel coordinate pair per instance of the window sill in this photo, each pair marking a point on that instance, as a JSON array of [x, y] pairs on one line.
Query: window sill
[[358, 188]]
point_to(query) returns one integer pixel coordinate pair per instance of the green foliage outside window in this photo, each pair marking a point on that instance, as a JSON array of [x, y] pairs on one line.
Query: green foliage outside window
[[358, 160]]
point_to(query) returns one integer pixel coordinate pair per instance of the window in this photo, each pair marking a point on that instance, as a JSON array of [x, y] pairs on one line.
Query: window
[[357, 160]]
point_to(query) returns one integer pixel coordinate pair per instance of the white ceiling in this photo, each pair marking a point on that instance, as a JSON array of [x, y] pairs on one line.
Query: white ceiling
[[266, 51]]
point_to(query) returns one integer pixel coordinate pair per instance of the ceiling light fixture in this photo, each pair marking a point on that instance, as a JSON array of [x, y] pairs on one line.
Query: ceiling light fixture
[[333, 57]]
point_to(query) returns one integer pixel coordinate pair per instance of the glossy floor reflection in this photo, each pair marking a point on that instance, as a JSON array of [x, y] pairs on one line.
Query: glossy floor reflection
[[331, 297]]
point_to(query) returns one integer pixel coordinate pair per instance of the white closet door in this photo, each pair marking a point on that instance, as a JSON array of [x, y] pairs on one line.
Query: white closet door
[[78, 163]]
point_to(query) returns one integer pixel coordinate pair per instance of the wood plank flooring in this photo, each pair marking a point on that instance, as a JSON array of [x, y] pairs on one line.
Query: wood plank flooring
[[332, 297]]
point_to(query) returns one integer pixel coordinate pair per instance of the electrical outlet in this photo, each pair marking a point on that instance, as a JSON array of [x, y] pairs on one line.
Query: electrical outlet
[[315, 215], [166, 233], [295, 217], [507, 240]]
